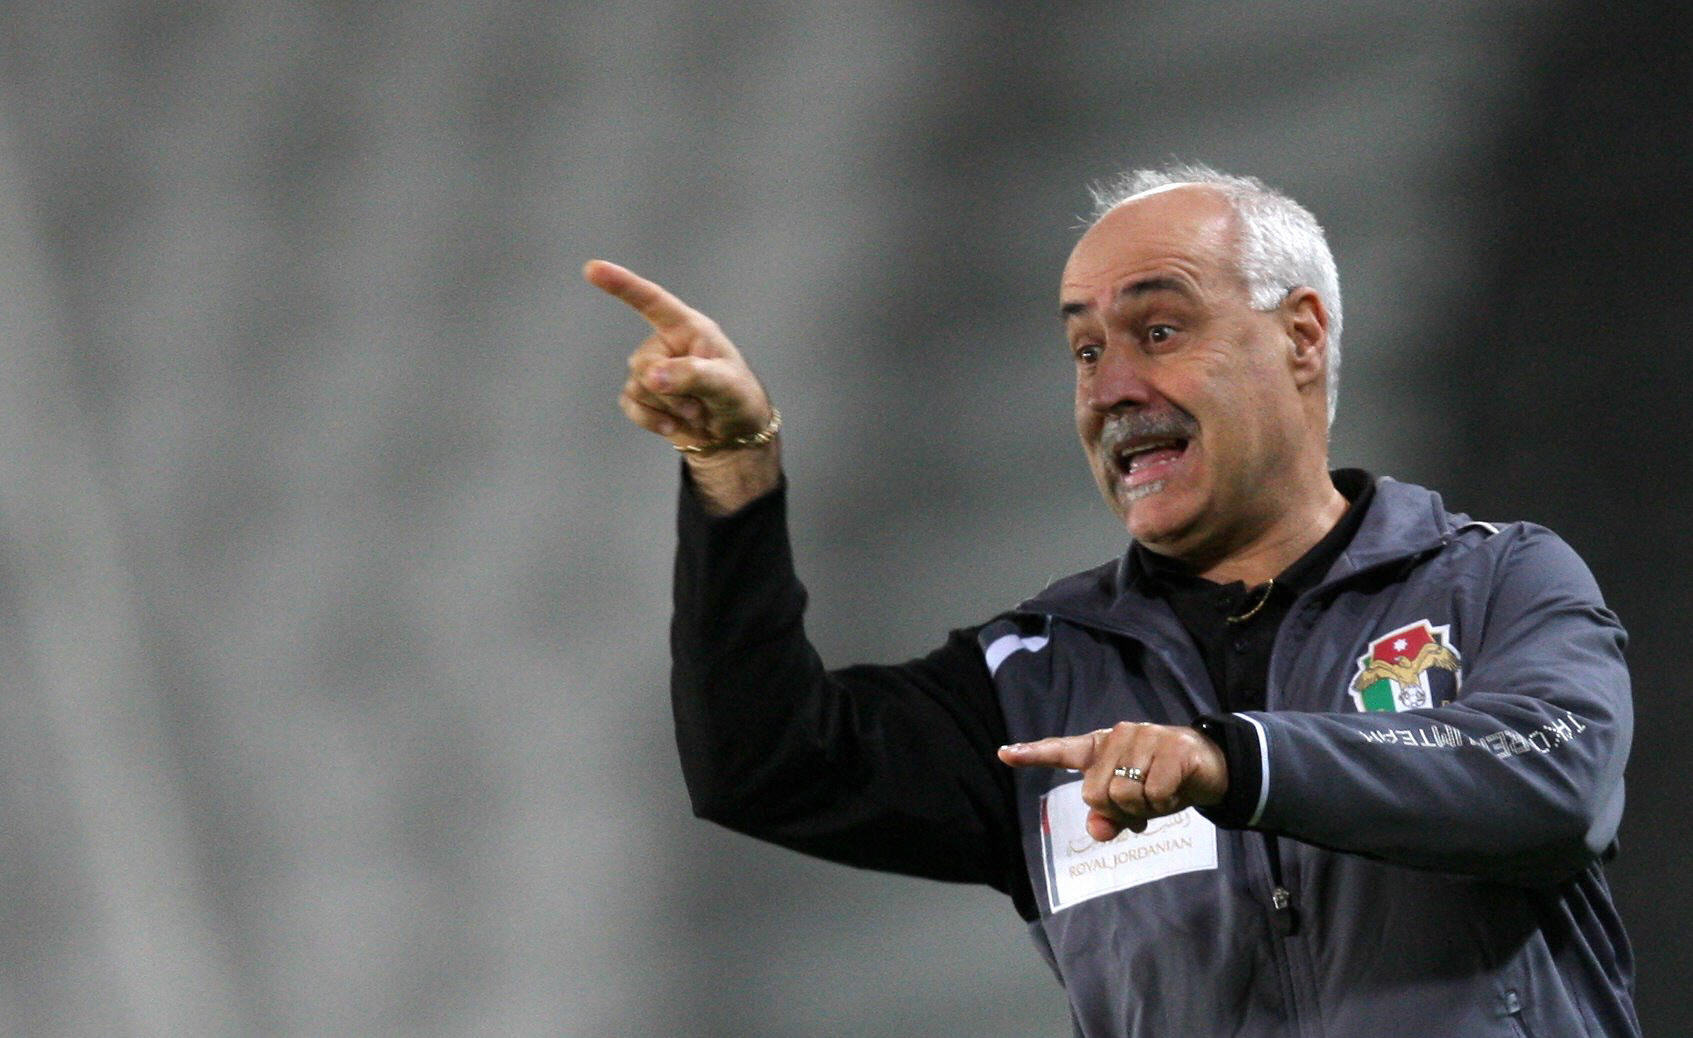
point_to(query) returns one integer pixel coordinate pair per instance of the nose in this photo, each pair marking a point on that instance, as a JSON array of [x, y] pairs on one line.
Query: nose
[[1116, 380]]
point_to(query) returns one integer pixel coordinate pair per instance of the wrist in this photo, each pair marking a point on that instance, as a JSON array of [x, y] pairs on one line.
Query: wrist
[[760, 438], [727, 481], [1237, 741]]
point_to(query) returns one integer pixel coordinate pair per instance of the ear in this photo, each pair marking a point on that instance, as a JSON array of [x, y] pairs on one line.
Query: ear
[[1306, 322]]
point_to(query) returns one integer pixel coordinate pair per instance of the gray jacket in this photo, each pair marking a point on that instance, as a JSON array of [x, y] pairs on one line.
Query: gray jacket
[[1442, 769]]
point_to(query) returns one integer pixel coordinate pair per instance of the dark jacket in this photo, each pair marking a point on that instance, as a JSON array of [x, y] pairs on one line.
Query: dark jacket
[[1439, 828], [1438, 867]]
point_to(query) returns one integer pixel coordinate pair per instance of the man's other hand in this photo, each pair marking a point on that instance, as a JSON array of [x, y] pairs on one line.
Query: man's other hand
[[688, 383], [1179, 768]]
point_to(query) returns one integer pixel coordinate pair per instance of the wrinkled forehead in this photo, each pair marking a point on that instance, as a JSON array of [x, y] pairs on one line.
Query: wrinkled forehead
[[1190, 227]]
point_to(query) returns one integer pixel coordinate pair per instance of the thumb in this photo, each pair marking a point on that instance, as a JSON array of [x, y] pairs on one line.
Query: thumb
[[1103, 828]]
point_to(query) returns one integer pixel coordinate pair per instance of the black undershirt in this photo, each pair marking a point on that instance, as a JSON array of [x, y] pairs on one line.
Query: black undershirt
[[1234, 626]]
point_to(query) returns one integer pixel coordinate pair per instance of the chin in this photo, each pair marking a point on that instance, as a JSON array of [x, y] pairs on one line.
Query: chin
[[1159, 516]]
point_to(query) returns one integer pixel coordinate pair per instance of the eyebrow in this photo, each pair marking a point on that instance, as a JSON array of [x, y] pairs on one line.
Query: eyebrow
[[1143, 287]]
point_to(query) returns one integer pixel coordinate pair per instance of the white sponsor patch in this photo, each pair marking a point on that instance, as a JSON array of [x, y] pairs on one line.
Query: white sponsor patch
[[1079, 868]]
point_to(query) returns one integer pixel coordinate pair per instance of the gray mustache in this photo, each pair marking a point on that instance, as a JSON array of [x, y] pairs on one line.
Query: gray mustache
[[1120, 429]]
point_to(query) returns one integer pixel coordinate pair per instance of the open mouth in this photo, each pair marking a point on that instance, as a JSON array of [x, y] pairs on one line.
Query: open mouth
[[1143, 461]]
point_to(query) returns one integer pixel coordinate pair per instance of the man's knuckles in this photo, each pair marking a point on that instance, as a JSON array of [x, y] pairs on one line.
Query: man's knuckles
[[645, 417], [1101, 801], [1168, 804], [1119, 803], [699, 376]]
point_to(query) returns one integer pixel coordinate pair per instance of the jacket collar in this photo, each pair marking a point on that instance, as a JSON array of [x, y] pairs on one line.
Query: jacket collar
[[1404, 522]]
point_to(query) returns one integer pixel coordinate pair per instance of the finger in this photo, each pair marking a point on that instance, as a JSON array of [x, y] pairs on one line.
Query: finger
[[677, 407], [1119, 746], [1097, 779], [651, 419], [1103, 828], [684, 408], [669, 417], [1124, 795], [651, 350], [1165, 774], [1064, 751], [648, 298], [710, 379]]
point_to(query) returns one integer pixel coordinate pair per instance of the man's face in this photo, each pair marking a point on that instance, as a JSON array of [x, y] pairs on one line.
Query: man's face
[[1187, 401]]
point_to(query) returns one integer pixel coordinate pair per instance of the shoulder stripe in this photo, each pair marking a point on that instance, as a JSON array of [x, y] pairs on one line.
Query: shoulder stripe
[[1006, 644]]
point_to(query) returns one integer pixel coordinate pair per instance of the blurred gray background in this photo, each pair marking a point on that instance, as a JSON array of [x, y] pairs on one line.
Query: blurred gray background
[[333, 586]]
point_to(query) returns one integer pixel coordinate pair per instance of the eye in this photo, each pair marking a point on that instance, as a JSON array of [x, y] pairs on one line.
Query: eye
[[1160, 333], [1087, 354]]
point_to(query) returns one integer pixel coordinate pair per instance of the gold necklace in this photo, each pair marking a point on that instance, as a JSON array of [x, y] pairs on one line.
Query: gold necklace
[[1263, 596]]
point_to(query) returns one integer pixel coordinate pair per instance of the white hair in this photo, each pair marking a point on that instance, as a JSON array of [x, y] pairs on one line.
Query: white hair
[[1282, 246]]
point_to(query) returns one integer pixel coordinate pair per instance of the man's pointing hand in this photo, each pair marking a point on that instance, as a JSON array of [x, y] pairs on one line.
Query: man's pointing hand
[[688, 383], [1177, 768]]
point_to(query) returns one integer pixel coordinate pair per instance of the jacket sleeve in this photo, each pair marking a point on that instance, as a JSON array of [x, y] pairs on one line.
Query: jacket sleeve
[[1519, 778], [884, 767]]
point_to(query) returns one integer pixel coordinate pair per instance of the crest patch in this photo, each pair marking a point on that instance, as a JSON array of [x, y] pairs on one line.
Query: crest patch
[[1395, 673]]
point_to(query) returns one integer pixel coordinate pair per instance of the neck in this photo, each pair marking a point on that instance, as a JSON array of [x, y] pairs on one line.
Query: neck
[[1280, 545]]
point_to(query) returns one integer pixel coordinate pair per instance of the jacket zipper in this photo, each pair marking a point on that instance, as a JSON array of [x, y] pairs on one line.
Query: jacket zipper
[[1284, 914], [1284, 923]]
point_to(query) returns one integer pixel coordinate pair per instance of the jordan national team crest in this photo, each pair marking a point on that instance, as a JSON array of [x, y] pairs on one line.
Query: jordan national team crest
[[1396, 673]]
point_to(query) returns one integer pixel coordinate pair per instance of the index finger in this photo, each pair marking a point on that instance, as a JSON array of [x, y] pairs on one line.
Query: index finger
[[1061, 751], [648, 298]]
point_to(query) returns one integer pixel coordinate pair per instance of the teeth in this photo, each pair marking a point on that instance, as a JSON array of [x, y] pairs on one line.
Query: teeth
[[1143, 448]]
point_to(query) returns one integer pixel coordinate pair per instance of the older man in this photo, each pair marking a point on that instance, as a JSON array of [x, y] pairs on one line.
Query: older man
[[1348, 763]]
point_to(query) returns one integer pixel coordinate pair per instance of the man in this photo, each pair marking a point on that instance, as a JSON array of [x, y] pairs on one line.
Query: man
[[1348, 763]]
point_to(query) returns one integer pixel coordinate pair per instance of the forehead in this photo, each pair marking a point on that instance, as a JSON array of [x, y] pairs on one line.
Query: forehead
[[1188, 231]]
